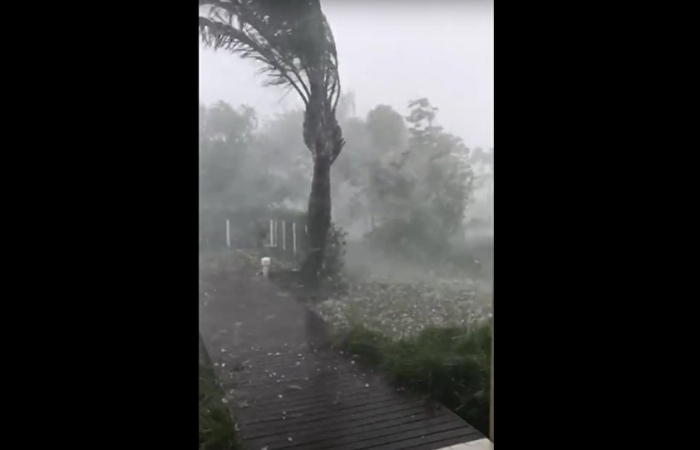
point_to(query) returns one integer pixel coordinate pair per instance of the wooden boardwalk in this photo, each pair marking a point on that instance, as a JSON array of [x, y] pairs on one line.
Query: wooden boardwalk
[[287, 391]]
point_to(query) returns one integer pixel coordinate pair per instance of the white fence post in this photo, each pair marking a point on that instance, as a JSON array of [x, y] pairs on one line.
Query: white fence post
[[284, 235], [272, 242], [294, 237], [228, 234]]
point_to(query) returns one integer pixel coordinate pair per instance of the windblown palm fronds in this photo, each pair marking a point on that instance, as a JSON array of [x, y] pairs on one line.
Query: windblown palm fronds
[[290, 38]]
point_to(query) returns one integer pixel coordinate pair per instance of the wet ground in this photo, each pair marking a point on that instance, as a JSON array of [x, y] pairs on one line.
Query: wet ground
[[287, 389]]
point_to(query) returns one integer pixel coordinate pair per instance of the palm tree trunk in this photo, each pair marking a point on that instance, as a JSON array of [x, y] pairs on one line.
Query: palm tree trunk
[[318, 219]]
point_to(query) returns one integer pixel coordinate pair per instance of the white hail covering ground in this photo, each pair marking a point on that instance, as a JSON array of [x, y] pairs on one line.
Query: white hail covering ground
[[481, 444]]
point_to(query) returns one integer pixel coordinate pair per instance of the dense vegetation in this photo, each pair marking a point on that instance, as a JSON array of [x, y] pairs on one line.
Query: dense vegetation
[[216, 429], [406, 190]]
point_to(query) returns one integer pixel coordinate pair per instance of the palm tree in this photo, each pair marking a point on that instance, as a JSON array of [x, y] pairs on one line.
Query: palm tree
[[293, 42]]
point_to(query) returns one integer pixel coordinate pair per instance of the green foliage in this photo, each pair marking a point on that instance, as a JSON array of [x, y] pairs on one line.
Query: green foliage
[[251, 228], [407, 183], [216, 429], [453, 365], [387, 129], [225, 138], [246, 171], [334, 258], [370, 347], [242, 168], [291, 40], [419, 195]]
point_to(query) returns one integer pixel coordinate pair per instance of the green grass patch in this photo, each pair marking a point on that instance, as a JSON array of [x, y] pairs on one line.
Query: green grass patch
[[453, 365], [216, 428]]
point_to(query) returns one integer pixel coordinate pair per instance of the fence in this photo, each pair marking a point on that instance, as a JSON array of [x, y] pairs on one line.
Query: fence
[[280, 231], [282, 236]]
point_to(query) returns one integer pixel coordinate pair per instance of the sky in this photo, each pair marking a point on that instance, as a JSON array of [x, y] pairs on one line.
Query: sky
[[390, 52]]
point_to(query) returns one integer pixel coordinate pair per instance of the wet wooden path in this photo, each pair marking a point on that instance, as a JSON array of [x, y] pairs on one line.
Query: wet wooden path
[[287, 391]]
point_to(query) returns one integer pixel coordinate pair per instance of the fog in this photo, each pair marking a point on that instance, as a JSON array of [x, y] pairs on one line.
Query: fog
[[308, 328], [390, 53]]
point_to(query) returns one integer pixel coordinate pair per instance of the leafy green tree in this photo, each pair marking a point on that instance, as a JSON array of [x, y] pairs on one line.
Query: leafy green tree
[[245, 166], [371, 143], [420, 195], [225, 137], [387, 128]]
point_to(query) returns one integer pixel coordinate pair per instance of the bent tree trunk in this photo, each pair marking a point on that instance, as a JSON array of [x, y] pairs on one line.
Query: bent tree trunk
[[324, 138], [318, 219]]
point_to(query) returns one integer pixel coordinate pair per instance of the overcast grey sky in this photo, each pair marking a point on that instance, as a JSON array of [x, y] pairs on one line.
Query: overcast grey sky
[[390, 52]]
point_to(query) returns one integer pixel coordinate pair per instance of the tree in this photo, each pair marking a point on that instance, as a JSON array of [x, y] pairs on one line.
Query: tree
[[225, 156], [225, 137], [387, 129], [243, 167], [294, 43], [419, 194], [448, 178]]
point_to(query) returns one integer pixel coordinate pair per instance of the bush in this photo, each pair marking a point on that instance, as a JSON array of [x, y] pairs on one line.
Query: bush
[[334, 257], [453, 365], [333, 260], [216, 428]]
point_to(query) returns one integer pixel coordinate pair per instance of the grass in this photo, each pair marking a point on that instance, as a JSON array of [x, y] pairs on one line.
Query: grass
[[216, 428], [452, 365]]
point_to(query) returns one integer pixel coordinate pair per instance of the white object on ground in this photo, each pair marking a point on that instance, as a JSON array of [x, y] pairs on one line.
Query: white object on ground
[[284, 235], [294, 237], [265, 262], [479, 444]]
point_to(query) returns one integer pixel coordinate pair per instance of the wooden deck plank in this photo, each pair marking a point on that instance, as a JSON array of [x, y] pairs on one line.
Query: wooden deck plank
[[274, 347], [334, 426], [436, 440], [339, 422]]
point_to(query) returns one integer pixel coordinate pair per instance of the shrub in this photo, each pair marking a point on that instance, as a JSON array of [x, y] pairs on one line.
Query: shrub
[[216, 428], [334, 257]]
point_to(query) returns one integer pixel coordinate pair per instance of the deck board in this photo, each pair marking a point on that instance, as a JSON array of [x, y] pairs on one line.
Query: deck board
[[287, 392]]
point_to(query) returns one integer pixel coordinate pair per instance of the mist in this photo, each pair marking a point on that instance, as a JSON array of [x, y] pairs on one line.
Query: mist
[[394, 291], [390, 54]]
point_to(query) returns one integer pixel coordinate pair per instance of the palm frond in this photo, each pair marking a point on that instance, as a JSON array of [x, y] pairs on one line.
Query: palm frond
[[293, 42], [243, 28]]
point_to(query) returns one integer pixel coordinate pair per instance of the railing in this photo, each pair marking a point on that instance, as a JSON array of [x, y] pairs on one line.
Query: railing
[[283, 236]]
